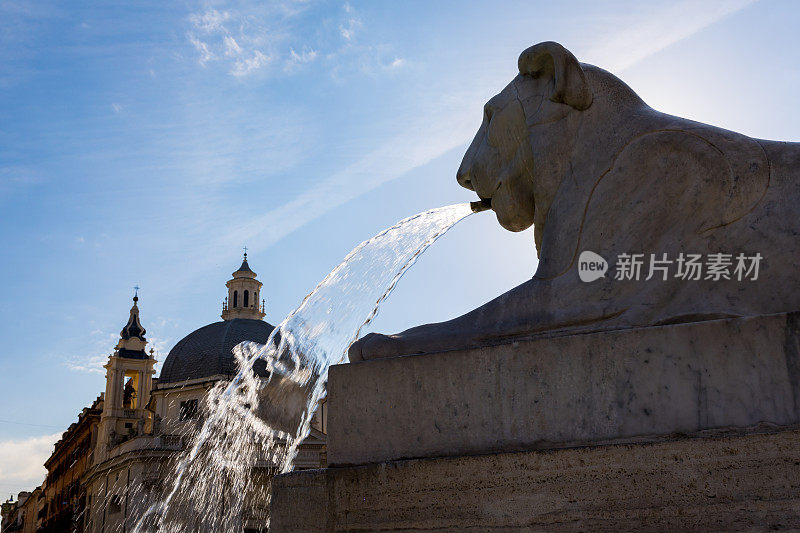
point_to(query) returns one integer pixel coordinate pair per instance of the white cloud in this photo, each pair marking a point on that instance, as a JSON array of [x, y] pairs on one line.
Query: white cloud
[[103, 344], [219, 41], [348, 29], [116, 107], [232, 48], [247, 65], [14, 178], [254, 35], [209, 21], [205, 53], [22, 462], [304, 57], [296, 60], [648, 32], [90, 364], [425, 141], [421, 142]]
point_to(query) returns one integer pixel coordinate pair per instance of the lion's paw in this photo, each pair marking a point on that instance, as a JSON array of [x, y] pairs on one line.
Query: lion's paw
[[375, 346]]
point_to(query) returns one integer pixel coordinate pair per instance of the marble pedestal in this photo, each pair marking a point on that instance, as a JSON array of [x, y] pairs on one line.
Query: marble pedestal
[[707, 483], [690, 426]]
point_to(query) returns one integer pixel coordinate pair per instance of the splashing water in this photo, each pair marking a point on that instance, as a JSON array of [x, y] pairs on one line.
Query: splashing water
[[261, 416]]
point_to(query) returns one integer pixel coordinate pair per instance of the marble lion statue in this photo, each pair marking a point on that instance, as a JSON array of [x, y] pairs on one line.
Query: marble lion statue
[[695, 222]]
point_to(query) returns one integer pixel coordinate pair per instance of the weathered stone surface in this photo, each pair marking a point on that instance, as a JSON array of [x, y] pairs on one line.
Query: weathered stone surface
[[568, 390], [558, 366], [722, 483], [571, 149]]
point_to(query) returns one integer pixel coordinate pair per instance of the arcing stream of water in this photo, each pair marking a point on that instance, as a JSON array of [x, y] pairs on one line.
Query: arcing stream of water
[[263, 414]]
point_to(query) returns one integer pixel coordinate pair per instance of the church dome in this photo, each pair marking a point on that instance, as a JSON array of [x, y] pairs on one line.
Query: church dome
[[207, 352]]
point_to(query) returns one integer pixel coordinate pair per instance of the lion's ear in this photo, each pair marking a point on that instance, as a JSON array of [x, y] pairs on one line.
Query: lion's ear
[[553, 60]]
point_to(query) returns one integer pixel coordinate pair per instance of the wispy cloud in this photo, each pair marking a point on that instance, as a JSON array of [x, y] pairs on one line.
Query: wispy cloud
[[297, 60], [210, 20], [347, 29], [246, 65], [103, 343], [17, 177], [423, 142], [91, 364], [245, 39], [270, 37], [651, 29], [205, 54], [22, 462], [232, 48]]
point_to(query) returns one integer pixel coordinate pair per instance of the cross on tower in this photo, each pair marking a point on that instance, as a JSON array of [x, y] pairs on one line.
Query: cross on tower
[[136, 288], [245, 252]]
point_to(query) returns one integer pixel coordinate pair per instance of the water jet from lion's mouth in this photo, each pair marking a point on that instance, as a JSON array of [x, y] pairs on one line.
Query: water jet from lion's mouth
[[252, 420]]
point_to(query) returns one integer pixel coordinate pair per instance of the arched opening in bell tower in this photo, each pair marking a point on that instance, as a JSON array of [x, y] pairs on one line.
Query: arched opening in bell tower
[[235, 299], [130, 389], [246, 298]]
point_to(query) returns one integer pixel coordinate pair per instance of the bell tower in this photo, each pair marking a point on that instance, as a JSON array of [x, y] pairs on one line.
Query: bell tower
[[243, 293], [129, 381]]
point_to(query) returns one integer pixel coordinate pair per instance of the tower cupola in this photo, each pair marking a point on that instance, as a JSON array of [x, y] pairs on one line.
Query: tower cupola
[[131, 339], [129, 382], [243, 295]]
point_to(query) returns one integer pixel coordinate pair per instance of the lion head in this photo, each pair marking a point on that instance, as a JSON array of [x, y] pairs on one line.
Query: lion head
[[553, 133], [519, 153]]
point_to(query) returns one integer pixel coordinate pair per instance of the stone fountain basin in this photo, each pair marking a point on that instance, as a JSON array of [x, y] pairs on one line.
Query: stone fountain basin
[[551, 392]]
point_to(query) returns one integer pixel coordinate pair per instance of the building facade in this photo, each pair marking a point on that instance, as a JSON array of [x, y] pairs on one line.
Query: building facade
[[63, 491], [13, 513], [112, 464]]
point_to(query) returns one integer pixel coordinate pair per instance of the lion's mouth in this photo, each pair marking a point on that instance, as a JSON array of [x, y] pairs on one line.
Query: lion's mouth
[[481, 205], [485, 204]]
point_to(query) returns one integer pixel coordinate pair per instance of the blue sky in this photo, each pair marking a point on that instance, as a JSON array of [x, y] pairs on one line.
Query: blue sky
[[147, 144]]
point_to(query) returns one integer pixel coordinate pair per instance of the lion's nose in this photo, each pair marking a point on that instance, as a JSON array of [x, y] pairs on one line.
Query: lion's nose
[[462, 176]]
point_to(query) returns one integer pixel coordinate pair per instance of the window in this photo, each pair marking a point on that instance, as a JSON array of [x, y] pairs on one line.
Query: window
[[235, 298], [246, 298], [130, 390], [188, 409]]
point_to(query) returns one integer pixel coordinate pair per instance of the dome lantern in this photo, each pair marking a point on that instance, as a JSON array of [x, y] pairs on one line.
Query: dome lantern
[[243, 294]]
